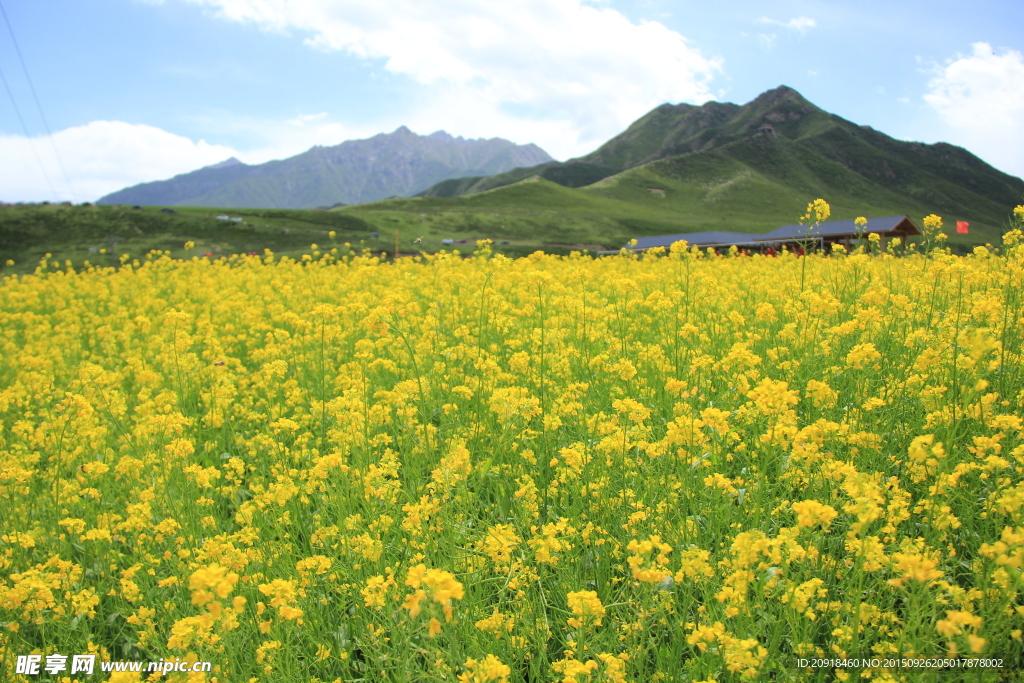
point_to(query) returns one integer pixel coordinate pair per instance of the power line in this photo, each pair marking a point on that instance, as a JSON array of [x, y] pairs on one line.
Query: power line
[[28, 138], [31, 87]]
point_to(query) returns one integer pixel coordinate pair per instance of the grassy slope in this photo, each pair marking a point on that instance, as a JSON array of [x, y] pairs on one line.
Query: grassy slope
[[528, 214], [68, 232], [718, 172], [750, 185]]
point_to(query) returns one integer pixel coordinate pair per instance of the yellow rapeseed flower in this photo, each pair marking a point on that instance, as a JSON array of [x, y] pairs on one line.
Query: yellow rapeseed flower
[[585, 604], [811, 513], [212, 581], [490, 668]]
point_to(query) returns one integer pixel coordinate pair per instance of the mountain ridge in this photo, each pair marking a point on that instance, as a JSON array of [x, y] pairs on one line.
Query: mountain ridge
[[941, 174], [352, 172]]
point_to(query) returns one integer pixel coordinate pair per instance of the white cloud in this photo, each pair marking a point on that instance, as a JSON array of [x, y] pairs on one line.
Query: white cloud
[[574, 74], [99, 157], [800, 24], [564, 74], [303, 119], [272, 139], [980, 98]]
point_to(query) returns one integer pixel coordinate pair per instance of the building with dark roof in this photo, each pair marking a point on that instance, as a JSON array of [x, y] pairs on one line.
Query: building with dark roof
[[830, 232]]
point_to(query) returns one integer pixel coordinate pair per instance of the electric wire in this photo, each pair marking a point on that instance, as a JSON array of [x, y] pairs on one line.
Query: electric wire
[[46, 125], [28, 138]]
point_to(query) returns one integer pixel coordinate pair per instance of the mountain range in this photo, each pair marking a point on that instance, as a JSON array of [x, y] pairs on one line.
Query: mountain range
[[788, 141], [401, 163], [680, 168]]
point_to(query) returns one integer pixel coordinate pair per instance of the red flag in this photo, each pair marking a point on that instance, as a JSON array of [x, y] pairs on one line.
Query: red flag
[[961, 227]]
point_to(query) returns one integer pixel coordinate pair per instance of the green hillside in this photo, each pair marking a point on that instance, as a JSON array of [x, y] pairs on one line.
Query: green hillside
[[756, 166], [83, 233], [751, 182], [101, 234]]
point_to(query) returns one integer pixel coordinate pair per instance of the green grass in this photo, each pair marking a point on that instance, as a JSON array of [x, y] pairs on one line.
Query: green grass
[[79, 233], [690, 193]]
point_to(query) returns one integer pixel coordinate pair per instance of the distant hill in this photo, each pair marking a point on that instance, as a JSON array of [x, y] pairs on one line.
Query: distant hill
[[782, 139], [401, 163]]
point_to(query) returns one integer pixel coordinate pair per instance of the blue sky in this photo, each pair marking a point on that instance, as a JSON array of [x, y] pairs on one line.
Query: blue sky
[[140, 90]]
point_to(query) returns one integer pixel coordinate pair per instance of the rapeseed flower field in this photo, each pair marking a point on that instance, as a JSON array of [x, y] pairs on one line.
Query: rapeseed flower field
[[668, 467]]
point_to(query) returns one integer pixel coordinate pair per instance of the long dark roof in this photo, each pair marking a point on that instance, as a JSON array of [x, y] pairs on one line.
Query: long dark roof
[[838, 228], [787, 233]]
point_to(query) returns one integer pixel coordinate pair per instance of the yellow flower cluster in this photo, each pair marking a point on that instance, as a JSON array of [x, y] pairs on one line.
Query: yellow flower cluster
[[211, 582], [811, 512], [283, 594], [489, 668], [637, 468], [440, 586], [585, 604], [817, 212], [649, 559]]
